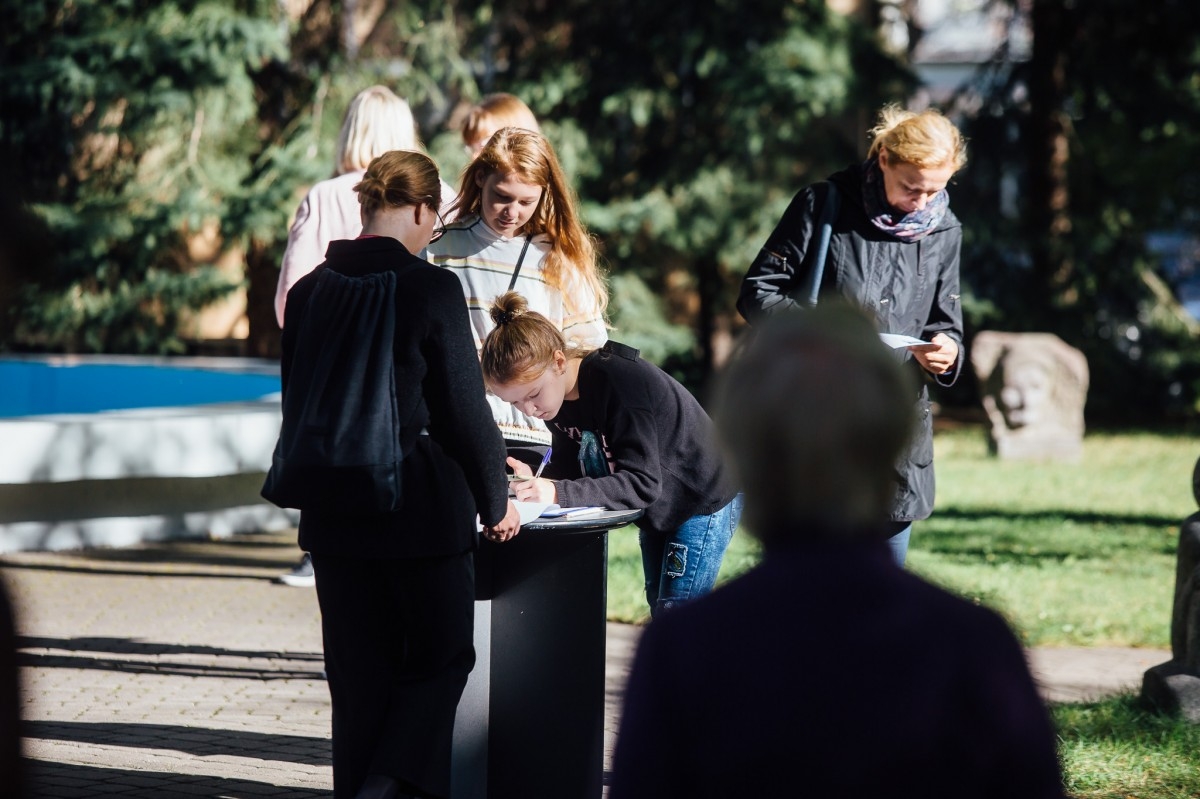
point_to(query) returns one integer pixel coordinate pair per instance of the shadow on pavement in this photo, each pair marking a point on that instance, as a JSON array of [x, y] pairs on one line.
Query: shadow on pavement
[[131, 646], [69, 781], [163, 669], [81, 653], [222, 572], [198, 741]]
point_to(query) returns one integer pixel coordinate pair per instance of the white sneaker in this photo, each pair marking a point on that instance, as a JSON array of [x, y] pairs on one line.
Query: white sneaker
[[300, 577]]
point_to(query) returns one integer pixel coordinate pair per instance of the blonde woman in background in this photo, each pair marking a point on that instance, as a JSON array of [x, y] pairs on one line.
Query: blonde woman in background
[[894, 251], [376, 122]]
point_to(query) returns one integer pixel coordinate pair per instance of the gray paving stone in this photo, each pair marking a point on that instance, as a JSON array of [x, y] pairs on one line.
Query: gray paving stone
[[180, 669]]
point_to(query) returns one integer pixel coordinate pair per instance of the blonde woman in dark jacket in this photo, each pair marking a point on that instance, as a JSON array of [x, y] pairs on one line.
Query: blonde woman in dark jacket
[[894, 251]]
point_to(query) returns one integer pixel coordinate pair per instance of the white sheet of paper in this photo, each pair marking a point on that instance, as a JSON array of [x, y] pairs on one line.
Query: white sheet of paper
[[896, 341], [528, 510], [558, 512]]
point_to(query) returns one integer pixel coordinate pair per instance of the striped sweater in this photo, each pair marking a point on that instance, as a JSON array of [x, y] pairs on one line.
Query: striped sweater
[[484, 262]]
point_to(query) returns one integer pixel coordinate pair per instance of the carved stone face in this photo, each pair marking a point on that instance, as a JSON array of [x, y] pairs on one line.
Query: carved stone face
[[1024, 398], [1034, 390]]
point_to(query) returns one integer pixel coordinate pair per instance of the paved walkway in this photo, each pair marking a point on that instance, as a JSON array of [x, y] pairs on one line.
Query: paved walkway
[[181, 670]]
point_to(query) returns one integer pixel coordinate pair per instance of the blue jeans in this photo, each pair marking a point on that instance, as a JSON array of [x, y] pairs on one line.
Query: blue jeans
[[898, 544], [683, 564]]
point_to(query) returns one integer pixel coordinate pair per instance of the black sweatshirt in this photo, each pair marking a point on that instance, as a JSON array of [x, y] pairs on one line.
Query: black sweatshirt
[[459, 465], [660, 444]]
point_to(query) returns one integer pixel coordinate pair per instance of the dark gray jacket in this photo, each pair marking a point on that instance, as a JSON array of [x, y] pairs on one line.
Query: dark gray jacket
[[911, 288]]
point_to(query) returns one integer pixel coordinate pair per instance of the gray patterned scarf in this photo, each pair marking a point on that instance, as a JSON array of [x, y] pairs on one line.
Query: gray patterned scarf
[[906, 227]]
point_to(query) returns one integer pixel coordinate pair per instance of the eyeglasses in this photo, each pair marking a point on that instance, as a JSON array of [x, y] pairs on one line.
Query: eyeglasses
[[441, 226], [441, 229]]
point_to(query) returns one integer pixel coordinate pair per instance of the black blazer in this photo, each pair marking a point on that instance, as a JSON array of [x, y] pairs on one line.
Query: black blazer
[[455, 470]]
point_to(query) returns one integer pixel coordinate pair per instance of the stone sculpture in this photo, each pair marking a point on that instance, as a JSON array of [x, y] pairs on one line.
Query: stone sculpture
[[1175, 685], [1034, 387]]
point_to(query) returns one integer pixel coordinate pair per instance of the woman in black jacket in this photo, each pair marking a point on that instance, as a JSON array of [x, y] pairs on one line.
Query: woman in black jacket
[[894, 251], [397, 589]]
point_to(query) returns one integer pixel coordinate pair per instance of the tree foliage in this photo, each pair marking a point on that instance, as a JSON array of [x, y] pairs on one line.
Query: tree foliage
[[690, 130], [151, 137], [124, 127], [1130, 102]]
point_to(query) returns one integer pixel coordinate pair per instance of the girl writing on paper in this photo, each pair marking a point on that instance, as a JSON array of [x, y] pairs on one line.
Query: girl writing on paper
[[626, 435], [894, 251], [518, 229]]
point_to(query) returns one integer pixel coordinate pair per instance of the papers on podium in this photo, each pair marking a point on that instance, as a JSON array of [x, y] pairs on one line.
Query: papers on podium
[[579, 512]]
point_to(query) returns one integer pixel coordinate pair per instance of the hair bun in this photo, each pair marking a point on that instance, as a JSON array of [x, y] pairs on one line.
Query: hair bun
[[506, 316]]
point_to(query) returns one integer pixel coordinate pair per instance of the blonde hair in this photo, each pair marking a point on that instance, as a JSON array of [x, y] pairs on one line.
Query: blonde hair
[[927, 140], [397, 179], [497, 111], [376, 121], [528, 157], [522, 344]]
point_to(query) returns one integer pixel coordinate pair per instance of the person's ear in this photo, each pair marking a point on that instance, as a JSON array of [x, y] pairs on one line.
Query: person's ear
[[560, 363], [480, 178]]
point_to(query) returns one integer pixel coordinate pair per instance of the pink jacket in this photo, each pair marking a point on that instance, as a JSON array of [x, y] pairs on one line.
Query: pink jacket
[[329, 212]]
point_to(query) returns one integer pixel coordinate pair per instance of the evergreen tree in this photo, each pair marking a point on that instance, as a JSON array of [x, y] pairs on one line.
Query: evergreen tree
[[1090, 138], [127, 125], [689, 128]]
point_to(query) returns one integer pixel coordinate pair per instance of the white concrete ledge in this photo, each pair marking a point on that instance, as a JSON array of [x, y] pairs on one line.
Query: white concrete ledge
[[190, 441], [122, 531], [121, 477]]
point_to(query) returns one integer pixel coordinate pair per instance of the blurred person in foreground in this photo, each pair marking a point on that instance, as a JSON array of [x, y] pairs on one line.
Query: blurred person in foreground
[[828, 670]]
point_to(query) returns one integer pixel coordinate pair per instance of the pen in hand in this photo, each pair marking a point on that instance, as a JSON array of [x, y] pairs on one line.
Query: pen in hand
[[542, 465]]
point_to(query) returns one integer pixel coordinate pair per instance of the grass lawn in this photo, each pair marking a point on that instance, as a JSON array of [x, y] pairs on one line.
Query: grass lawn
[[1072, 554]]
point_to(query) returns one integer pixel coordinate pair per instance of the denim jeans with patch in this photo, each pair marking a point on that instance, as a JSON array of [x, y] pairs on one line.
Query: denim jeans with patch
[[683, 564]]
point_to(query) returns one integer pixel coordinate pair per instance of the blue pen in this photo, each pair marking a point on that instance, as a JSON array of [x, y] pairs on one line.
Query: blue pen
[[542, 465]]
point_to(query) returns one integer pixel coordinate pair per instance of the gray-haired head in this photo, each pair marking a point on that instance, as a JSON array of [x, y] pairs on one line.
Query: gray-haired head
[[813, 413]]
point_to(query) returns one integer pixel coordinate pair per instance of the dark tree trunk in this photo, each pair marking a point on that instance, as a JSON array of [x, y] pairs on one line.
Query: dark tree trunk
[[262, 274], [1049, 153], [285, 90], [709, 287]]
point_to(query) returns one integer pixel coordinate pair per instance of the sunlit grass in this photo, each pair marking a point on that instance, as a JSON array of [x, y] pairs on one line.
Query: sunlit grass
[[1071, 553], [1118, 749]]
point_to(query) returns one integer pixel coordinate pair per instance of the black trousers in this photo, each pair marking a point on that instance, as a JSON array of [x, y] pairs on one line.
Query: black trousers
[[398, 649]]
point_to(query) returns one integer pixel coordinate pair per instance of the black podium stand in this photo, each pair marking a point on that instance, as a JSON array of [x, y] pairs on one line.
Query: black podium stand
[[531, 720]]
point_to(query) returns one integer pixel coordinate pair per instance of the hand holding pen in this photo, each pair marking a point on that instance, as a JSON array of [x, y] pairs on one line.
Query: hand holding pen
[[542, 465], [529, 486]]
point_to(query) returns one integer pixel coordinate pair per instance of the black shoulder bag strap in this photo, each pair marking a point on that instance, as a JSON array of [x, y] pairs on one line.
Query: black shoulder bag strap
[[521, 259], [824, 233]]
